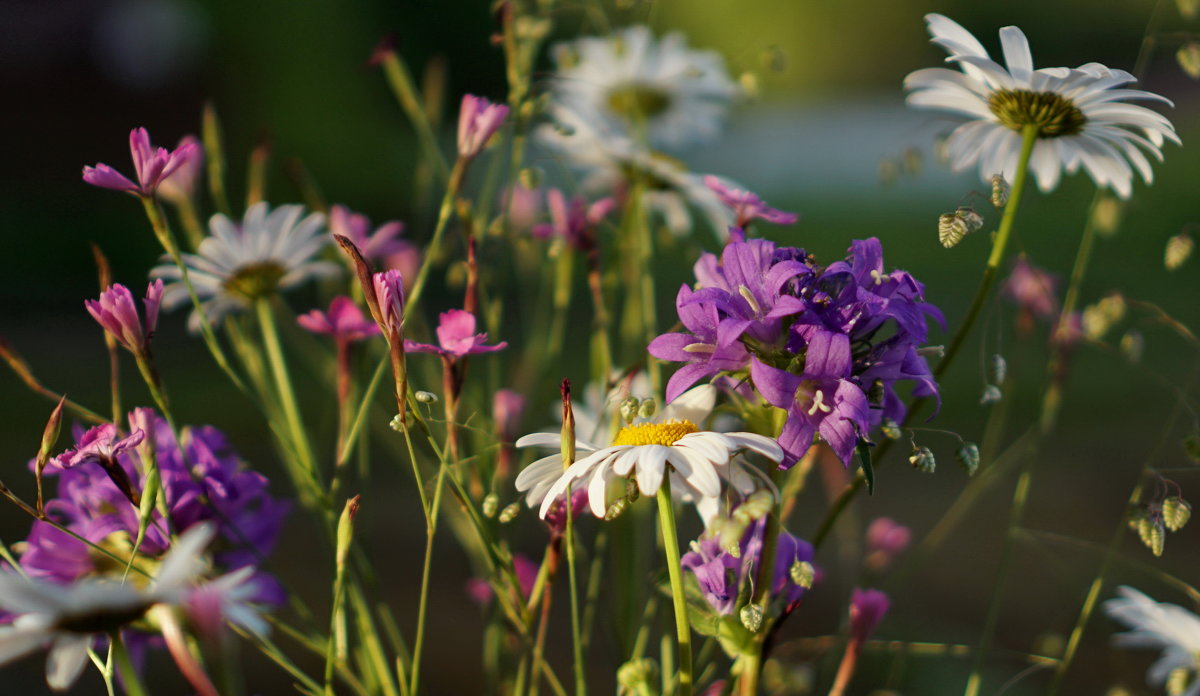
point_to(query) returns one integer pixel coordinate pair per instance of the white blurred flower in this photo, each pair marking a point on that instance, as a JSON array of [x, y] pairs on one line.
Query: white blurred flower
[[238, 264], [1161, 626], [67, 618], [657, 91], [1081, 118]]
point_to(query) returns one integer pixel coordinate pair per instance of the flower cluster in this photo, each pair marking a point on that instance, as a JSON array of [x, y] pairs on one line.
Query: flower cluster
[[827, 344], [205, 481]]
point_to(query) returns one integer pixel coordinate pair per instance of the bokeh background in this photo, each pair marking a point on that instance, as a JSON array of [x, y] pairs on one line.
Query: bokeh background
[[79, 74]]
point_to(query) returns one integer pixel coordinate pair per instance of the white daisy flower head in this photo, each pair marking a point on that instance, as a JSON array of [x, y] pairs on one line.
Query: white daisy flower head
[[271, 250], [656, 90], [68, 618], [701, 463], [611, 162], [1160, 626], [1080, 114]]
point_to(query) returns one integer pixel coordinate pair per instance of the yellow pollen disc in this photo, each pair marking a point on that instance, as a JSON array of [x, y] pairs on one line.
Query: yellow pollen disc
[[667, 433]]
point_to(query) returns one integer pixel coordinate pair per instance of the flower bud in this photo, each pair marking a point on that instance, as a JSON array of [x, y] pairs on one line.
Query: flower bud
[[426, 397], [647, 408], [629, 409], [345, 530], [922, 459], [509, 513], [490, 502]]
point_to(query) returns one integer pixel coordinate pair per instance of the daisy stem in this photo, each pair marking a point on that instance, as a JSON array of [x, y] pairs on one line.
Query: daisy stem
[[1029, 136], [576, 631], [129, 675], [162, 230], [666, 518]]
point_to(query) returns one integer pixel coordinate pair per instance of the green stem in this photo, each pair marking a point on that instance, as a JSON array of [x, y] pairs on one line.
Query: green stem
[[666, 518], [287, 395], [576, 629], [405, 91], [435, 243], [129, 675], [426, 575]]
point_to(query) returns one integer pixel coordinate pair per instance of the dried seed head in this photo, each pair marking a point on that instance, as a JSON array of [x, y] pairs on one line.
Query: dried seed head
[[1000, 190], [1179, 250], [922, 459], [951, 229], [968, 456], [752, 617], [509, 513], [490, 502], [1176, 512]]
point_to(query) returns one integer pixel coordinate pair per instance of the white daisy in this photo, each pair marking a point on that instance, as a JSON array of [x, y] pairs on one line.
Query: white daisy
[[69, 618], [659, 92], [1079, 112], [610, 162], [1170, 628], [698, 461], [237, 264]]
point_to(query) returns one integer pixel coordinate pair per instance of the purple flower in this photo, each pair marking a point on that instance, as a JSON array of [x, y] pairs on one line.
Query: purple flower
[[99, 444], [556, 518], [523, 205], [117, 313], [381, 245], [720, 574], [747, 206], [819, 400], [886, 539], [152, 165], [478, 121], [507, 409], [345, 321], [389, 293], [867, 609], [573, 222], [456, 337], [705, 350], [526, 571], [181, 185], [1032, 289]]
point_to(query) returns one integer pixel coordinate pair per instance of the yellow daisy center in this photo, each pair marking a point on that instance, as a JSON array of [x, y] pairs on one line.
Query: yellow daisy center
[[665, 434], [255, 280], [1053, 114], [635, 101]]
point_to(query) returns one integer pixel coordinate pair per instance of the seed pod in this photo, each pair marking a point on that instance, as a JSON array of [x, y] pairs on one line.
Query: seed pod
[[616, 509], [509, 513], [1106, 216], [1150, 531], [1000, 190], [629, 408], [1132, 344], [1191, 447], [647, 408], [632, 492], [756, 507], [922, 459], [968, 456], [490, 502], [875, 393], [972, 219], [991, 394], [951, 229], [999, 368], [638, 676], [752, 617], [802, 574], [1176, 512], [1179, 249], [426, 397], [891, 429]]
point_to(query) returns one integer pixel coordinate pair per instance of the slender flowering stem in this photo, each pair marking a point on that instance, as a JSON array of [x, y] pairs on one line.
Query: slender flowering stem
[[129, 675], [576, 634], [401, 83], [426, 575], [444, 213], [666, 518]]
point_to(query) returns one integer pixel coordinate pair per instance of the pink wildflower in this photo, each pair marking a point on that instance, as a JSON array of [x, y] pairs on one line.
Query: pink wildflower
[[456, 337], [746, 205], [344, 321], [478, 121], [152, 165], [117, 313]]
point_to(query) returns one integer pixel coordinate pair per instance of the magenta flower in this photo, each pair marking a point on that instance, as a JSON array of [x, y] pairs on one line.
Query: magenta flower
[[867, 609], [152, 165], [181, 185], [1032, 289], [456, 337], [886, 539], [344, 321], [100, 444], [524, 205], [747, 206], [478, 121], [573, 222], [507, 408], [526, 571], [117, 312], [382, 245], [389, 294]]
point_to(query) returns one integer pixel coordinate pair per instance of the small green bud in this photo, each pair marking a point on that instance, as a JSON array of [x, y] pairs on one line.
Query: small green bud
[[991, 394], [616, 509], [1176, 512], [647, 408], [1188, 58], [968, 456], [632, 492], [345, 530], [922, 459], [425, 397], [638, 676], [1151, 532], [1179, 250], [752, 617], [802, 574], [999, 368], [891, 429], [490, 502], [149, 496], [1000, 190], [1132, 345], [629, 408], [509, 513]]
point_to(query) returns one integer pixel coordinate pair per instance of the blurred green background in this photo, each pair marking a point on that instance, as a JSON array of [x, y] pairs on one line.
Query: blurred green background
[[79, 74]]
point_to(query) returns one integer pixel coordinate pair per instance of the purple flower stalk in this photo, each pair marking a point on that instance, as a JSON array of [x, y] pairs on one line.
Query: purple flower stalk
[[747, 206], [720, 574], [819, 400], [152, 165], [345, 322], [456, 337], [478, 121], [574, 221], [117, 313]]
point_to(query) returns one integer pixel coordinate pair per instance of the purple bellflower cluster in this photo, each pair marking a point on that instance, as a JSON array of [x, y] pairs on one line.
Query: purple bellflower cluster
[[825, 343], [720, 574], [206, 481]]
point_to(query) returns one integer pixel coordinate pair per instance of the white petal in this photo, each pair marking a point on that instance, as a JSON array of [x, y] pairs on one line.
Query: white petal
[[651, 464], [693, 405], [66, 660], [1016, 53]]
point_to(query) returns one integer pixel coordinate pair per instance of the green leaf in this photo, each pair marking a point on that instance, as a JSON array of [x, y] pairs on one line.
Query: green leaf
[[864, 461]]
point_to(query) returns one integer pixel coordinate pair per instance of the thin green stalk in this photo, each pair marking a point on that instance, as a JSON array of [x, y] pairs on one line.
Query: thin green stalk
[[287, 395], [360, 418], [576, 628], [405, 91], [435, 242], [666, 518], [426, 575], [130, 678]]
